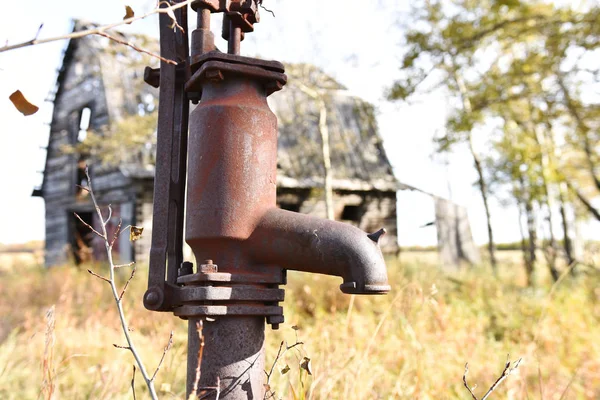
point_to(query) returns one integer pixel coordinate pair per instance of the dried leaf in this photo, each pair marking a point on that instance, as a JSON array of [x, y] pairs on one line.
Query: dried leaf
[[165, 388], [135, 233], [267, 387], [305, 364], [285, 370], [295, 327], [128, 13], [21, 103]]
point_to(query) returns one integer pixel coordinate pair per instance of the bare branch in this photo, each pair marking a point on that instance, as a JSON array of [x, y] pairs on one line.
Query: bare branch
[[127, 283], [167, 348], [97, 30], [108, 245], [117, 233], [109, 213], [98, 276], [508, 369], [136, 48], [125, 265], [133, 382], [83, 188], [466, 384], [199, 327], [88, 225]]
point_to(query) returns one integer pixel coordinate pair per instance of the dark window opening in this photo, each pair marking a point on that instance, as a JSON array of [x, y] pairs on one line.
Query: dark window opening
[[81, 243], [351, 213], [81, 178], [85, 120], [295, 207]]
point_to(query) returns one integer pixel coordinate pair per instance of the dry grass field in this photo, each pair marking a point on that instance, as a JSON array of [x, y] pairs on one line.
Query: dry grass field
[[411, 344]]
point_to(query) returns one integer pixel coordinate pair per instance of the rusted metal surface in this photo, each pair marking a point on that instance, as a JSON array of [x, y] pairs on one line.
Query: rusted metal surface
[[234, 353], [169, 180], [232, 222]]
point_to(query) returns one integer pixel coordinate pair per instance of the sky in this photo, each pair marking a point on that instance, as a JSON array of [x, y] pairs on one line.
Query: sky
[[358, 43]]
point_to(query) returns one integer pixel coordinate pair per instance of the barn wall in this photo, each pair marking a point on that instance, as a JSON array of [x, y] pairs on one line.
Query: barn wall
[[80, 86], [367, 210]]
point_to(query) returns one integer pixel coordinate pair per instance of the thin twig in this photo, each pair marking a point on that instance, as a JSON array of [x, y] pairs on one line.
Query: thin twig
[[88, 225], [199, 328], [127, 284], [133, 382], [508, 369], [125, 265], [97, 30], [136, 48], [117, 233], [466, 384], [109, 213], [107, 244], [83, 188], [99, 276], [167, 348], [121, 347]]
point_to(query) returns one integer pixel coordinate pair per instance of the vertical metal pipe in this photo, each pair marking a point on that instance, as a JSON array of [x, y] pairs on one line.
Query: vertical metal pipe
[[235, 38], [234, 352]]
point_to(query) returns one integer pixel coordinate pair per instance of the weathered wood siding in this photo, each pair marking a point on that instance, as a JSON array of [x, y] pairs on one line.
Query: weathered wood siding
[[374, 209], [80, 86]]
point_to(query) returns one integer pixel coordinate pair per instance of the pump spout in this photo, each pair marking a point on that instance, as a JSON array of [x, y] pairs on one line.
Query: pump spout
[[304, 243]]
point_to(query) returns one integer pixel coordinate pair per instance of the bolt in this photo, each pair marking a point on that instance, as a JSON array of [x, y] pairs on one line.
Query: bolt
[[186, 268], [214, 75], [208, 267], [152, 76], [194, 97], [152, 298], [275, 320]]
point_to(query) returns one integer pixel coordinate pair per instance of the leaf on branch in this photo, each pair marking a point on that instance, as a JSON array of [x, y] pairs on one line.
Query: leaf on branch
[[285, 370], [306, 365], [22, 104], [135, 233], [128, 13]]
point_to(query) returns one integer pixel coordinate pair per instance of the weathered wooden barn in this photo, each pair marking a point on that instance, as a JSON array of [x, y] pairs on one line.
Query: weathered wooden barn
[[100, 83]]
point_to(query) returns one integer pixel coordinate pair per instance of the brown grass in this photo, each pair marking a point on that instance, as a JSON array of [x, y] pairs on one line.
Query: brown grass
[[411, 344]]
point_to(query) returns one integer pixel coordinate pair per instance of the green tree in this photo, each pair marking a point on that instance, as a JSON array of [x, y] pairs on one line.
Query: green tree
[[520, 62]]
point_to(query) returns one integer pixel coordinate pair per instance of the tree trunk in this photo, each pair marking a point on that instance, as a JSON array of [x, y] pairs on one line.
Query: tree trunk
[[481, 179], [531, 231], [549, 251], [318, 97], [584, 201], [526, 261], [565, 227], [582, 128], [324, 130]]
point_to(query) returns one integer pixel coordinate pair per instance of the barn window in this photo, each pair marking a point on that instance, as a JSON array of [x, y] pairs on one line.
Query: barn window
[[84, 124], [351, 213], [295, 207]]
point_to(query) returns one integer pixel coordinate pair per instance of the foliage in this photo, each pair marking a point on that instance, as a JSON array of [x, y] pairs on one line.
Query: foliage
[[410, 344], [132, 139], [520, 73]]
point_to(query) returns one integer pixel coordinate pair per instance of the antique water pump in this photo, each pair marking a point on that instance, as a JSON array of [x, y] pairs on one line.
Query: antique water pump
[[242, 242]]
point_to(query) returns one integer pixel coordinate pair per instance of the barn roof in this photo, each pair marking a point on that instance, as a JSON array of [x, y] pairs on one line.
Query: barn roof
[[358, 158]]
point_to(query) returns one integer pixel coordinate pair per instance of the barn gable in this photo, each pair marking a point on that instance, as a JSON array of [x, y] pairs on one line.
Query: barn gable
[[106, 78]]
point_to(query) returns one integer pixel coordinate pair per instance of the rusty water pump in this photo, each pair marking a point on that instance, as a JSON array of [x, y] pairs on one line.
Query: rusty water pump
[[242, 242]]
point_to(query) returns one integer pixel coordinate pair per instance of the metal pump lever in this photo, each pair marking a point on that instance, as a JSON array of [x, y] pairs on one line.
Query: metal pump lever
[[166, 254]]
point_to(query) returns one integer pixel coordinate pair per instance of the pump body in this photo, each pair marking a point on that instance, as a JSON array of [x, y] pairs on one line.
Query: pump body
[[242, 242]]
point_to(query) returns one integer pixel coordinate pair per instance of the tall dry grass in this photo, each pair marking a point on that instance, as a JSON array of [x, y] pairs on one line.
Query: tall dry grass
[[411, 344]]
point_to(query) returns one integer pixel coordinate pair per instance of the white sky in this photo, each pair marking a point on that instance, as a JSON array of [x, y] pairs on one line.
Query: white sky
[[358, 42]]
